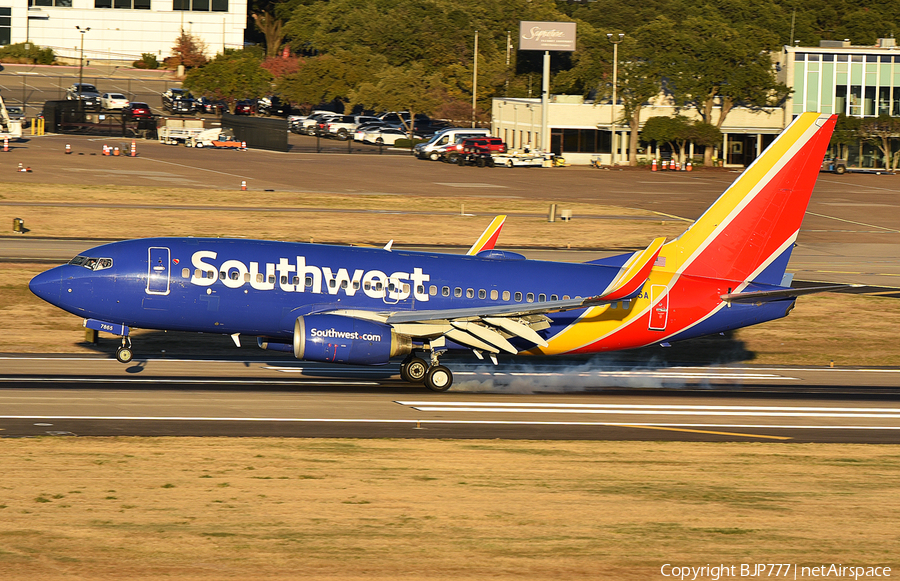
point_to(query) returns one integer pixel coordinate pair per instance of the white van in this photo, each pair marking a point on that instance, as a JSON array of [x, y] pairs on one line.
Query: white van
[[429, 149]]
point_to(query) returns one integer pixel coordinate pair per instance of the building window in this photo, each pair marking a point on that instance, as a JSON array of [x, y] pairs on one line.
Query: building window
[[123, 4], [580, 141], [5, 26], [200, 5]]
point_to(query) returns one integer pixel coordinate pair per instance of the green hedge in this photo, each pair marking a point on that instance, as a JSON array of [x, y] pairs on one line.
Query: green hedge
[[27, 53]]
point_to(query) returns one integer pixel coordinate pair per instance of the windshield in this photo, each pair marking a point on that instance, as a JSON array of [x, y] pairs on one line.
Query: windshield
[[92, 263]]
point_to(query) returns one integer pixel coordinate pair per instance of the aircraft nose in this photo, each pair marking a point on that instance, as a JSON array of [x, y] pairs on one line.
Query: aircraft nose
[[47, 285]]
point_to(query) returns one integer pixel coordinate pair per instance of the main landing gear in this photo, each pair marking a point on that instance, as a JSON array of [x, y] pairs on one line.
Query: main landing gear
[[124, 354], [435, 376]]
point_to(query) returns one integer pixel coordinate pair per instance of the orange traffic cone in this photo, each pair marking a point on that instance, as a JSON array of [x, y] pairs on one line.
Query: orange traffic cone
[[689, 166], [68, 149], [105, 149], [6, 144], [133, 148], [116, 151], [243, 185], [653, 165]]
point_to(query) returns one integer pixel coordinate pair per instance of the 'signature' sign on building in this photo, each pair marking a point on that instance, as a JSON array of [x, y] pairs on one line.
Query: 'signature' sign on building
[[546, 35]]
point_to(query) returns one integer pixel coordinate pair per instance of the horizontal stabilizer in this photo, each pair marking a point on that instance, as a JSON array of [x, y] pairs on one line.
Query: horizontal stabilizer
[[775, 295], [634, 273]]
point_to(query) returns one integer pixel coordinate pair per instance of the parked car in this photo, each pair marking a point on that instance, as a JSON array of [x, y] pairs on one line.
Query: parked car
[[386, 136], [15, 113], [479, 150], [177, 100], [86, 93], [273, 106], [436, 148], [113, 101], [137, 110], [245, 107], [207, 105], [311, 124]]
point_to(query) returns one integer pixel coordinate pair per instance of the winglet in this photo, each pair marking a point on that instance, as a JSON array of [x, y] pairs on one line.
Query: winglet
[[634, 272], [488, 238]]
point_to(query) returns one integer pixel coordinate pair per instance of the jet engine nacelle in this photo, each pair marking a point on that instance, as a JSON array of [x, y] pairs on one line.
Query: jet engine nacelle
[[339, 339]]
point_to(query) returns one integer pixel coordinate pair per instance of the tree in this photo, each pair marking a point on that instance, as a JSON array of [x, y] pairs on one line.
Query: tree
[[879, 131], [232, 75], [401, 89], [846, 133], [705, 134], [672, 130], [189, 50], [327, 78]]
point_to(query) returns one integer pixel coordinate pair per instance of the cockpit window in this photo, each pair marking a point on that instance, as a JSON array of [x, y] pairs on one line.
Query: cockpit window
[[92, 263]]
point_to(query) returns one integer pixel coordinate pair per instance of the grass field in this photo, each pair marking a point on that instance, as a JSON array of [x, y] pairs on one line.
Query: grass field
[[210, 508]]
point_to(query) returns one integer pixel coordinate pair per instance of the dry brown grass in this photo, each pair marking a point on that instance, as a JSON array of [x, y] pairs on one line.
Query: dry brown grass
[[374, 220], [210, 508]]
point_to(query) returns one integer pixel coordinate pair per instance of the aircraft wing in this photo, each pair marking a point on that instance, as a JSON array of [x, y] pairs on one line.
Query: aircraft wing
[[489, 328]]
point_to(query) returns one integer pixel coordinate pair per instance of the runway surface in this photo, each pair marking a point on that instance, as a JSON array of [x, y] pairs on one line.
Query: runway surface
[[586, 401]]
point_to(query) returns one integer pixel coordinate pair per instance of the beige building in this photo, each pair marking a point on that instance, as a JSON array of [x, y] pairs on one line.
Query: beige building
[[581, 130]]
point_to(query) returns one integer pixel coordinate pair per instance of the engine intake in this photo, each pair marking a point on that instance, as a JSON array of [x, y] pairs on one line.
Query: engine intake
[[339, 339]]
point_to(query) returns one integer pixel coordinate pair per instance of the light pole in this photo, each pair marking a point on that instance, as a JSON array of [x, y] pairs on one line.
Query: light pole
[[81, 63], [615, 40]]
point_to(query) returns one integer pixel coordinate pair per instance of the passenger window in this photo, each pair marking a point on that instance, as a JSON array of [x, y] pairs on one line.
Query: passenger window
[[457, 292], [307, 281], [565, 297], [432, 290], [332, 283], [211, 274], [295, 281], [356, 284], [222, 275], [529, 298], [518, 297], [344, 284], [406, 288], [626, 304], [445, 291], [481, 293], [235, 275], [199, 273], [493, 295], [186, 273], [246, 277], [542, 298], [284, 279], [505, 295], [260, 277], [271, 279], [554, 298], [379, 286], [470, 293]]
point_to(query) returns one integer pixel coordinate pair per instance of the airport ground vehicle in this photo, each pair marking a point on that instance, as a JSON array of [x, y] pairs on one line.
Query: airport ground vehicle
[[175, 131], [215, 137], [435, 147], [479, 151], [10, 125]]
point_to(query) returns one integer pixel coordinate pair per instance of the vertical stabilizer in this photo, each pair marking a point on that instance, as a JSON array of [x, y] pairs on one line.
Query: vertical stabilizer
[[748, 233]]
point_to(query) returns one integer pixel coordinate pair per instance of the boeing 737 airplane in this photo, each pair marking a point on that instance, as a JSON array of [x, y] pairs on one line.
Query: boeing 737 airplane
[[364, 306]]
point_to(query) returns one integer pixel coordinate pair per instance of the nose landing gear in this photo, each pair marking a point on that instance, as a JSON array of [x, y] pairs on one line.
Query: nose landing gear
[[124, 354]]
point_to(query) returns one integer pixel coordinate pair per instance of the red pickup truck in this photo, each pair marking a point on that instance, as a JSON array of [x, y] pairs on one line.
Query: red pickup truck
[[479, 151]]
